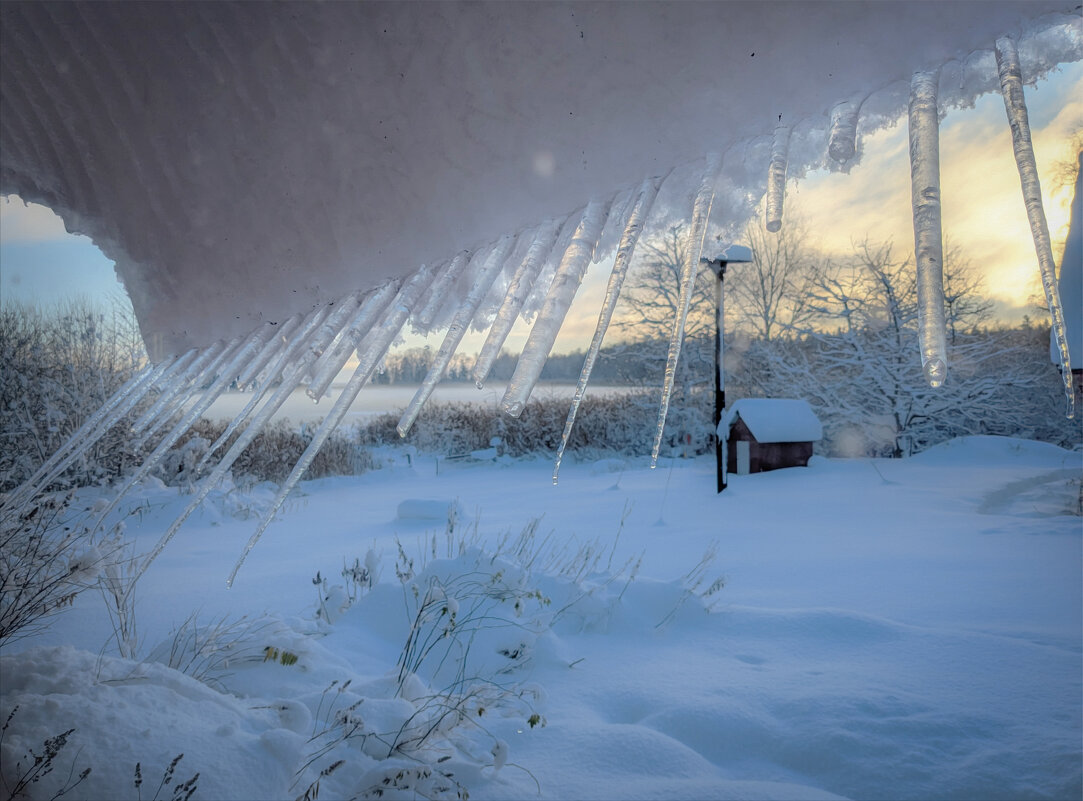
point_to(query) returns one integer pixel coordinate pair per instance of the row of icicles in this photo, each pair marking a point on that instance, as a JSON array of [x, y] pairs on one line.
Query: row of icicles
[[313, 348]]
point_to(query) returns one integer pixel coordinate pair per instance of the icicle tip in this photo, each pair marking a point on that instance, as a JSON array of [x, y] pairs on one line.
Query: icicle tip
[[935, 372]]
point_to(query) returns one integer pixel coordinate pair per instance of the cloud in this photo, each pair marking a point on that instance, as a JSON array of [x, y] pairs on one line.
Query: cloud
[[983, 211], [27, 223]]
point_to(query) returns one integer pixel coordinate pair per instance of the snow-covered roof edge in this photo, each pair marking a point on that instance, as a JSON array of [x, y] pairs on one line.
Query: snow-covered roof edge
[[774, 420]]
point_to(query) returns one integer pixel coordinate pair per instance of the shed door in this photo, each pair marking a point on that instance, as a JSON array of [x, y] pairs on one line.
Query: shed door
[[743, 457]]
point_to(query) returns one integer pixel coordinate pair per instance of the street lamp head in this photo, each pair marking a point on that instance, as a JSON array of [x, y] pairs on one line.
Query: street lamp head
[[733, 254]]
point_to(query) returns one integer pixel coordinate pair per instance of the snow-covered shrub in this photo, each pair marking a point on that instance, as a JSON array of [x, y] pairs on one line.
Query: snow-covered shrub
[[49, 554], [276, 448], [619, 423], [214, 651], [470, 621], [59, 367], [178, 466]]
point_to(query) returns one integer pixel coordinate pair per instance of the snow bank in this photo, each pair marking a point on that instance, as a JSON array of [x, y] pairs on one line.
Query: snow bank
[[925, 643], [982, 449]]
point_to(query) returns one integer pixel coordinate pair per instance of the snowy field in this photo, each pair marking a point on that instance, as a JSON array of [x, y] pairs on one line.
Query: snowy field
[[903, 629]]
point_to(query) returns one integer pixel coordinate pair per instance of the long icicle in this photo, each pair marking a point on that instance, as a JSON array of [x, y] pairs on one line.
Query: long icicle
[[776, 178], [312, 340], [924, 124], [562, 291], [89, 433], [697, 230], [494, 263], [437, 294], [277, 372], [238, 354], [1011, 87], [334, 357], [282, 333], [522, 282], [208, 373], [186, 368], [376, 347], [634, 227]]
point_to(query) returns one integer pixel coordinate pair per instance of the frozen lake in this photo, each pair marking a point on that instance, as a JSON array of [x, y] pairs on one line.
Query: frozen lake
[[376, 399]]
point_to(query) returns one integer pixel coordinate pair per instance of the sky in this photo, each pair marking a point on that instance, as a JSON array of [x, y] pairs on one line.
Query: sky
[[983, 213]]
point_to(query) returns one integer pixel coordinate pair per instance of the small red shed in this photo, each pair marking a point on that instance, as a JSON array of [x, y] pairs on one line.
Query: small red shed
[[768, 434]]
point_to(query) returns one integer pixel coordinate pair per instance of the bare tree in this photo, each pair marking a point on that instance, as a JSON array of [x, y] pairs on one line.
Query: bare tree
[[652, 290], [770, 295], [965, 305], [861, 371], [649, 308]]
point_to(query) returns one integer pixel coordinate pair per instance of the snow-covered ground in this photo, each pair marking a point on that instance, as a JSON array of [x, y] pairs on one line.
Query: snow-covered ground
[[904, 629]]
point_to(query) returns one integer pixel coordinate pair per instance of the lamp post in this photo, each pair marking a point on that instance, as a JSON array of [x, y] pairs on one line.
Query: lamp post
[[734, 254]]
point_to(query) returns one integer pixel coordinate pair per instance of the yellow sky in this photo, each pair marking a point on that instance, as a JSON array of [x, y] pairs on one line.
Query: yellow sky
[[983, 211]]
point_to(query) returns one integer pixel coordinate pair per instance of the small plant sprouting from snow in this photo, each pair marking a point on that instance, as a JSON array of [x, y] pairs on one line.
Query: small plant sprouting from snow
[[182, 791], [49, 554], [473, 618], [33, 767]]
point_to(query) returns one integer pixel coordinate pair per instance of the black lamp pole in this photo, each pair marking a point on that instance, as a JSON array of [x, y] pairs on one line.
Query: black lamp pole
[[732, 254], [718, 267]]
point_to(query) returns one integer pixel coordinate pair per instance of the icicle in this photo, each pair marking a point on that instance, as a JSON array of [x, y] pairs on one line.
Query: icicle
[[122, 402], [276, 372], [376, 346], [336, 320], [634, 227], [179, 376], [561, 292], [311, 340], [438, 292], [494, 263], [1011, 87], [237, 354], [281, 336], [334, 357], [924, 125], [776, 178], [518, 290], [697, 229], [842, 141], [208, 373]]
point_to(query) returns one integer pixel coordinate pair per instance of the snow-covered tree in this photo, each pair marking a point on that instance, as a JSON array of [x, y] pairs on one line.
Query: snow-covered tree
[[860, 369], [59, 366]]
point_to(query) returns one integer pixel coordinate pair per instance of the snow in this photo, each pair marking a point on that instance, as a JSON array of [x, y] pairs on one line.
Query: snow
[[924, 643], [774, 419], [219, 154]]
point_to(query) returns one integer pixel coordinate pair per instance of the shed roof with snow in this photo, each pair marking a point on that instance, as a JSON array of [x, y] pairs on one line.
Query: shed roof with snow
[[774, 420]]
